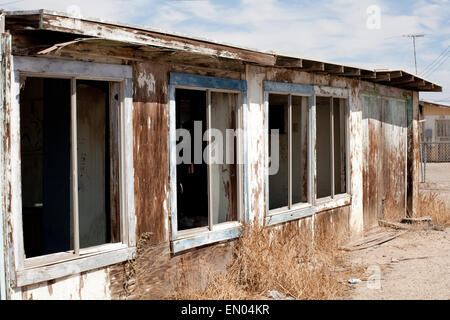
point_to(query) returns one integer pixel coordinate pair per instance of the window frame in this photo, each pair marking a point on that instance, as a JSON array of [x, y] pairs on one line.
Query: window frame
[[52, 266], [446, 123], [314, 205], [301, 210], [195, 237], [342, 198]]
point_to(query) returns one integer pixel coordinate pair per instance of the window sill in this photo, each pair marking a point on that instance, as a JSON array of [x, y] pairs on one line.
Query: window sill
[[328, 203], [280, 216], [289, 215], [222, 232], [95, 260]]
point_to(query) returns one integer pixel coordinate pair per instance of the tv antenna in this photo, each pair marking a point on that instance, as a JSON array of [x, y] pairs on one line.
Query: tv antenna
[[414, 36]]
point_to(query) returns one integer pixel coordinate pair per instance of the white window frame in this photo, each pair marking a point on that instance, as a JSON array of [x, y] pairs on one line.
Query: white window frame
[[300, 210], [196, 237], [53, 266], [314, 205], [335, 200]]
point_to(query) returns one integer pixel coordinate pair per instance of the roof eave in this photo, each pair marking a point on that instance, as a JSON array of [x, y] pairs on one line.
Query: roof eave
[[56, 21]]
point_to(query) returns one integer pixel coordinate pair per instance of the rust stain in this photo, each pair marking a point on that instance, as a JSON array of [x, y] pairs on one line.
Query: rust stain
[[151, 149], [80, 290], [50, 287], [334, 222], [282, 75]]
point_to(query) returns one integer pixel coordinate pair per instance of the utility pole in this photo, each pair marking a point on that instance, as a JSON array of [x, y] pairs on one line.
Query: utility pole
[[414, 36]]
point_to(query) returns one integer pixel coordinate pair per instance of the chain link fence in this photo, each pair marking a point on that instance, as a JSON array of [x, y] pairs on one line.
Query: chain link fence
[[433, 152]]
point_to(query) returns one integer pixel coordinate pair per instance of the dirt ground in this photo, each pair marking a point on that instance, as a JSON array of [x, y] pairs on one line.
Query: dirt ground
[[437, 172], [437, 180], [415, 265]]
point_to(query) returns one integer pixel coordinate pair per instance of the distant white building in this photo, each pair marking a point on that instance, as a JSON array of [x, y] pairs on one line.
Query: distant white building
[[435, 128]]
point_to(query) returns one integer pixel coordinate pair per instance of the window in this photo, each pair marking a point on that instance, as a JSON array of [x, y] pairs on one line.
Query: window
[[206, 159], [61, 213], [288, 130], [306, 150], [75, 152], [331, 146], [288, 127], [443, 128]]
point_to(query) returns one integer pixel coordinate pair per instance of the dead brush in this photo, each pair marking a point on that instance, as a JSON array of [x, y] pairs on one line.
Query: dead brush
[[267, 259], [437, 209]]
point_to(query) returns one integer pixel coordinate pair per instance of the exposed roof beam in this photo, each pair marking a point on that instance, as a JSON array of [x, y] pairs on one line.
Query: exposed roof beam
[[352, 72], [418, 83], [334, 68], [313, 66], [288, 62], [382, 77], [365, 74], [392, 74], [403, 80], [395, 74]]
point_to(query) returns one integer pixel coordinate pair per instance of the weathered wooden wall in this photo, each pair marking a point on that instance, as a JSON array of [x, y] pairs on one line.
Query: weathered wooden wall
[[151, 149], [151, 162]]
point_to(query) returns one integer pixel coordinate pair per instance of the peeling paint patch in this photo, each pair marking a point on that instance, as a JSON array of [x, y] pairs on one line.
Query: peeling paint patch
[[146, 81], [92, 285]]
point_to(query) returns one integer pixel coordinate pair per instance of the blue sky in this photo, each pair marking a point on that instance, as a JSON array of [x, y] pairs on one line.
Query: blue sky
[[334, 30]]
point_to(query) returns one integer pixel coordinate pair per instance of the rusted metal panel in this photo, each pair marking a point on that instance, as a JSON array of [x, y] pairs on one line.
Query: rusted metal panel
[[151, 149], [394, 156], [372, 113], [334, 222], [385, 151]]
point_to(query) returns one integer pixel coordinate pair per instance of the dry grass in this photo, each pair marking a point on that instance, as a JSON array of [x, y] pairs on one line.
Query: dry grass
[[264, 259], [431, 205]]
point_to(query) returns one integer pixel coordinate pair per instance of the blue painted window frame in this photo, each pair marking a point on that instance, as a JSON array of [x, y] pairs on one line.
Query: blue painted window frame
[[308, 209], [197, 82]]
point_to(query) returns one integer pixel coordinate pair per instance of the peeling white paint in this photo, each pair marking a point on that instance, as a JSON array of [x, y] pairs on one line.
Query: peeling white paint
[[94, 285], [255, 77], [147, 80]]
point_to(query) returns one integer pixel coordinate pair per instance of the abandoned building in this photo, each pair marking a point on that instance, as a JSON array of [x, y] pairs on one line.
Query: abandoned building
[[435, 121], [89, 116]]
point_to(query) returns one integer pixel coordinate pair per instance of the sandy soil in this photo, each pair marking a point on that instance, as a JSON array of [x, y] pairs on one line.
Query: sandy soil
[[437, 172], [415, 265]]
